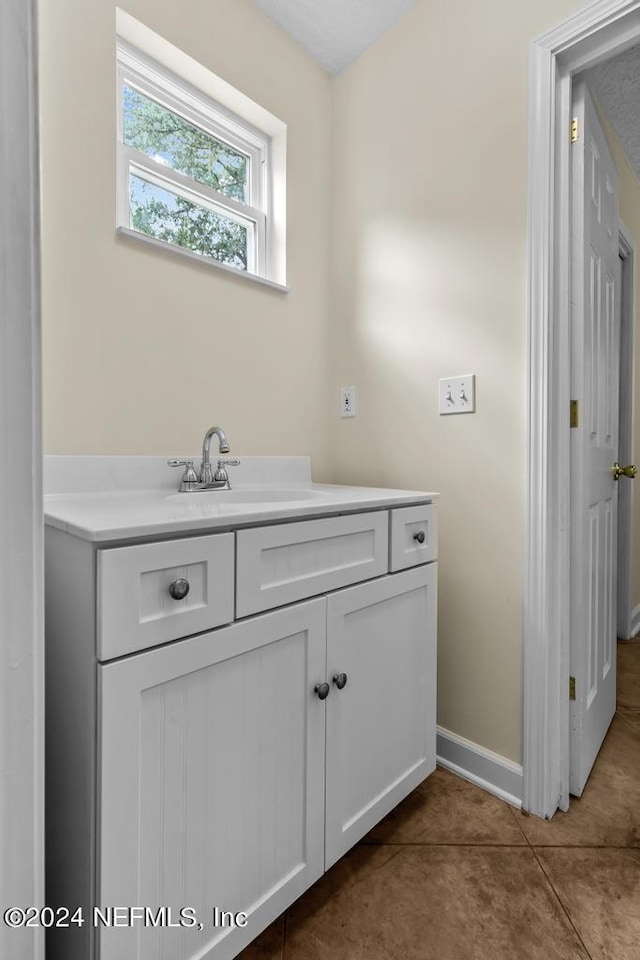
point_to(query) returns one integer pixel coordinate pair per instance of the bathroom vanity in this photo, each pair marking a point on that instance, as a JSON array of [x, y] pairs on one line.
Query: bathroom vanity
[[240, 684]]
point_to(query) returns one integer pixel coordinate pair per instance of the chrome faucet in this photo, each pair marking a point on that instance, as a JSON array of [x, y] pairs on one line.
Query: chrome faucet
[[193, 481], [206, 473]]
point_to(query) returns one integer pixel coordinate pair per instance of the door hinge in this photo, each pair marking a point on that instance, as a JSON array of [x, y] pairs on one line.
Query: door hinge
[[572, 688], [574, 130], [573, 415]]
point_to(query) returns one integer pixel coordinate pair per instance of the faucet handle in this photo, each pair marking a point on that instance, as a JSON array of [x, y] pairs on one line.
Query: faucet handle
[[189, 475], [221, 474]]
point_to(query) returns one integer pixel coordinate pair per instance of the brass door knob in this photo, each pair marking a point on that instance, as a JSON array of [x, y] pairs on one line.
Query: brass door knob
[[322, 690], [340, 680], [629, 471]]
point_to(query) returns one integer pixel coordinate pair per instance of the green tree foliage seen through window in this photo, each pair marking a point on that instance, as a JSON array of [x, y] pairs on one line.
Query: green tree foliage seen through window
[[166, 216], [174, 142]]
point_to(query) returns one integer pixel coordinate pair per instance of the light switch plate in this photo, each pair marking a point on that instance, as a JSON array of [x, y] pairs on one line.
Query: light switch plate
[[457, 394]]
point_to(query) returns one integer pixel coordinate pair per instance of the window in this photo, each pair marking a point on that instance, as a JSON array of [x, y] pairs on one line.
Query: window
[[191, 174]]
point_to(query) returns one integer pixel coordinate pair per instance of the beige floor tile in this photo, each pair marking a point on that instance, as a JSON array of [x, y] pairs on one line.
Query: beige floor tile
[[268, 946], [446, 875], [435, 903], [360, 862], [600, 889], [628, 678], [632, 717], [608, 813], [447, 809]]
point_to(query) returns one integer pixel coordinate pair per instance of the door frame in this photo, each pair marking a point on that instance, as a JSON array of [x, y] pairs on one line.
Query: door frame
[[21, 587], [603, 28], [626, 250]]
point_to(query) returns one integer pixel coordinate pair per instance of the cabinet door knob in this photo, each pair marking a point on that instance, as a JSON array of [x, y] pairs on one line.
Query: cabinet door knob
[[340, 680], [322, 689], [179, 589], [420, 536]]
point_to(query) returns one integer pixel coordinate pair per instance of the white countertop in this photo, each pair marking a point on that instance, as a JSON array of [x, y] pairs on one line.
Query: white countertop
[[264, 490]]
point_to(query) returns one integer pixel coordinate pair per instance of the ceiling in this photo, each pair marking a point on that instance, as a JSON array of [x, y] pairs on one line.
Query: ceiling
[[616, 84], [335, 32]]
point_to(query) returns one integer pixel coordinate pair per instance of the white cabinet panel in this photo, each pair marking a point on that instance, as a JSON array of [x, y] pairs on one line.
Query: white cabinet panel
[[413, 536], [212, 772], [381, 726], [135, 607], [291, 561]]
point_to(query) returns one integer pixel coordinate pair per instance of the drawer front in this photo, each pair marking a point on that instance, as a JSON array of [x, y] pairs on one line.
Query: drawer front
[[408, 548], [135, 607], [285, 563]]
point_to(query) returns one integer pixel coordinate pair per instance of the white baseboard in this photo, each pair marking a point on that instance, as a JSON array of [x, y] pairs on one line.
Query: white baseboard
[[486, 769], [635, 621]]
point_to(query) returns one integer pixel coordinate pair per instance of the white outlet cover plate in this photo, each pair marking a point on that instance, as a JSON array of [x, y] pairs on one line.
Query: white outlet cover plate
[[348, 401], [457, 394]]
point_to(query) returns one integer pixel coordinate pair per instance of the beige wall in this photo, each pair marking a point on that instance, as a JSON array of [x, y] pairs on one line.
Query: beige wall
[[428, 280], [143, 351], [430, 219]]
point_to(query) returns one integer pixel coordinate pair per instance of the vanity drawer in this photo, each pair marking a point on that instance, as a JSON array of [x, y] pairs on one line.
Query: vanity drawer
[[135, 608], [290, 561], [408, 547]]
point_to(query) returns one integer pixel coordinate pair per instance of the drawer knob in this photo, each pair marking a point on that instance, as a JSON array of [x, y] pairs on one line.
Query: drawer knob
[[179, 589], [420, 536], [340, 680], [322, 689]]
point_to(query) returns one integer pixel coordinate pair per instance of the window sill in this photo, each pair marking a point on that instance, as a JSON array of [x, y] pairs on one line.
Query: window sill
[[206, 262]]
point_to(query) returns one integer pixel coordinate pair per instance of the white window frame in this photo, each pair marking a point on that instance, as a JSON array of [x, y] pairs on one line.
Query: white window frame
[[151, 79]]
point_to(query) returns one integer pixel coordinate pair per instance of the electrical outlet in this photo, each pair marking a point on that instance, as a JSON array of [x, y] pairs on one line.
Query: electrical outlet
[[347, 401], [457, 394]]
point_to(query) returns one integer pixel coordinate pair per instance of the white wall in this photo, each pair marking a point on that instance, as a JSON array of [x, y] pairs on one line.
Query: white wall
[[21, 644], [429, 281], [144, 351]]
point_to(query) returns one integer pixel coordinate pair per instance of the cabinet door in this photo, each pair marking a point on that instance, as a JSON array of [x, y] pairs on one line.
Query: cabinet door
[[381, 726], [212, 782]]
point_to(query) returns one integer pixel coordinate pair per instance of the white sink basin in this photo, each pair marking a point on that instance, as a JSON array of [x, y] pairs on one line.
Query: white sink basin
[[265, 495]]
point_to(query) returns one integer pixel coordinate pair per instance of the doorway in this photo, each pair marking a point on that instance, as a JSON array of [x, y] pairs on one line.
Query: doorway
[[589, 37]]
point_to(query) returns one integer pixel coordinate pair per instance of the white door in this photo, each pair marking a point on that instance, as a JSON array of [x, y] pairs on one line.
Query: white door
[[212, 783], [595, 331], [381, 725]]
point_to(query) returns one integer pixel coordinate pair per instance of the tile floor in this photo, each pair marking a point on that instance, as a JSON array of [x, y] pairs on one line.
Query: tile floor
[[456, 874]]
